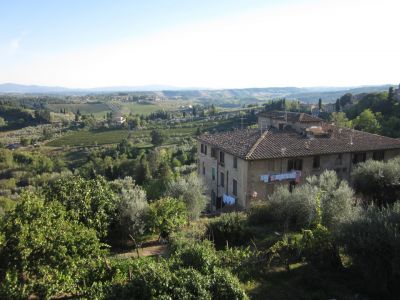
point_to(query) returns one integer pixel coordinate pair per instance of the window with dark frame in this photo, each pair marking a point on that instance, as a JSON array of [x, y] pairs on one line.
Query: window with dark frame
[[359, 157], [205, 149], [234, 187], [339, 159], [295, 164], [221, 157], [214, 152], [378, 155], [222, 179], [202, 148], [213, 173], [235, 162], [204, 169], [316, 162]]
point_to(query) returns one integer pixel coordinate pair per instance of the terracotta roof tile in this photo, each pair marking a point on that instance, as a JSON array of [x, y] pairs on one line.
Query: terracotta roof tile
[[250, 144]]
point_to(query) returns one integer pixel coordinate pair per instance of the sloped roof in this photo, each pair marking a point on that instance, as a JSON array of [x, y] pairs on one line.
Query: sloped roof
[[252, 144], [290, 116]]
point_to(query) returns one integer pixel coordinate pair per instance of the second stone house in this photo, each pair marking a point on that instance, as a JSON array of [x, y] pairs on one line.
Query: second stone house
[[240, 165]]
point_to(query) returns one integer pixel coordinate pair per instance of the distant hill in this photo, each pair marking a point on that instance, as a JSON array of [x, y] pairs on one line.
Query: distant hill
[[309, 94]]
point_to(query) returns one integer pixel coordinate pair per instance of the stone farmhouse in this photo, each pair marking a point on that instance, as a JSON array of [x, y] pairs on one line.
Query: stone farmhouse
[[241, 165]]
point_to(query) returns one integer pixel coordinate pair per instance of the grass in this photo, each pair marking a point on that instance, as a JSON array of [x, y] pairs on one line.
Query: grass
[[113, 136], [140, 109], [84, 108]]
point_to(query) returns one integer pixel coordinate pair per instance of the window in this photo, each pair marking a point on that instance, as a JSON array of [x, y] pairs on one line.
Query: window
[[205, 149], [213, 173], [202, 148], [295, 164], [359, 157], [339, 159], [204, 169], [281, 126], [378, 155], [235, 162], [214, 152], [316, 162], [222, 179], [234, 187], [221, 157]]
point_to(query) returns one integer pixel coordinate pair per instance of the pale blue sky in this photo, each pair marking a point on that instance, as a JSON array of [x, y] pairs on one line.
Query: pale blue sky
[[217, 43]]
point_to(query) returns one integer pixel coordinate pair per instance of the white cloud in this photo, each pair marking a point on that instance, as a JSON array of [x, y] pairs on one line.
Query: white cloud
[[308, 44], [15, 44]]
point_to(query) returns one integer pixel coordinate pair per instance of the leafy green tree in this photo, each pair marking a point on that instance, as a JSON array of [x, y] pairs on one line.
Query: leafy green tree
[[340, 120], [44, 252], [372, 241], [337, 105], [143, 173], [191, 190], [377, 181], [367, 121], [91, 202], [132, 209], [157, 137], [346, 99], [167, 215]]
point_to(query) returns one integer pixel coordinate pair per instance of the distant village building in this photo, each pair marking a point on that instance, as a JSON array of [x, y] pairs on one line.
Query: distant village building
[[118, 119], [241, 165]]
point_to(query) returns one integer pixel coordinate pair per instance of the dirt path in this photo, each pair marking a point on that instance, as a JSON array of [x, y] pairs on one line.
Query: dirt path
[[157, 250]]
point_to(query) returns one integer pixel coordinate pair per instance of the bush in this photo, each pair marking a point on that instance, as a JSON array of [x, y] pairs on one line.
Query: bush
[[200, 256], [229, 228], [167, 215], [132, 210], [260, 213], [378, 182], [91, 202], [337, 202], [190, 190], [372, 240], [293, 211], [45, 253]]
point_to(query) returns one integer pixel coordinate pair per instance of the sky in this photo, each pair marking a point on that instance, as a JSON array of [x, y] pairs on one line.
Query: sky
[[203, 43]]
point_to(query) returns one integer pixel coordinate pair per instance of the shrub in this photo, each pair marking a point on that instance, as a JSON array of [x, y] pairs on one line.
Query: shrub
[[260, 213], [42, 253], [191, 190], [378, 182], [294, 210], [167, 215], [337, 202], [132, 210], [91, 202], [372, 240], [200, 256], [229, 228], [225, 286]]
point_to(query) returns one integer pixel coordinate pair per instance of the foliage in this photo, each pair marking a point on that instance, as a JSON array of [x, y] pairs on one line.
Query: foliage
[[378, 182], [91, 202], [318, 248], [41, 247], [294, 210], [167, 215], [191, 190], [372, 240], [157, 137], [200, 256], [336, 199], [367, 121], [132, 209], [340, 119], [229, 228]]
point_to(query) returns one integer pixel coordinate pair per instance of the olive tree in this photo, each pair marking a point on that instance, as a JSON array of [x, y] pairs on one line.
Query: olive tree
[[44, 252], [191, 190]]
